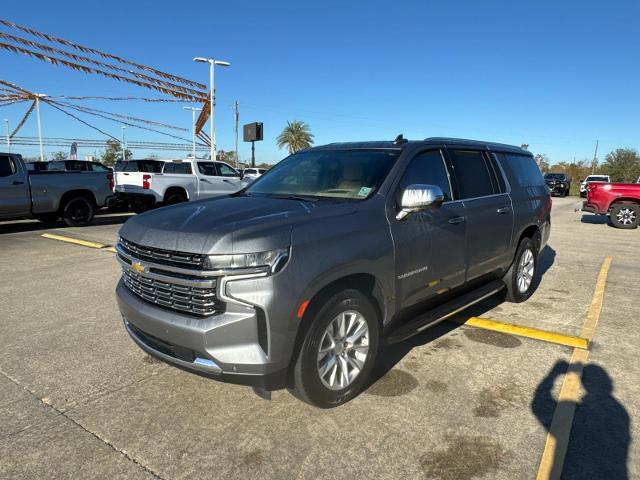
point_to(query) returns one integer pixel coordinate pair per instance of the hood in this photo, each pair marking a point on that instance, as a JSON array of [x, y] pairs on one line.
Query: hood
[[227, 224]]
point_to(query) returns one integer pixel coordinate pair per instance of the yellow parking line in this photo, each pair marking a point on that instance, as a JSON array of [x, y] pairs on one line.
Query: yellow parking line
[[534, 333], [77, 241], [557, 442]]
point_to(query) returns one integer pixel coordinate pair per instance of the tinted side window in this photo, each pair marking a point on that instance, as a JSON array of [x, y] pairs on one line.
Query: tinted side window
[[7, 168], [472, 174], [524, 169], [183, 168], [98, 167], [207, 168], [57, 166], [427, 168], [169, 167]]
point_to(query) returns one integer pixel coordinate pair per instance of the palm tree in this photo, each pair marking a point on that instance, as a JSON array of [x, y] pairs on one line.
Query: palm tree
[[295, 136]]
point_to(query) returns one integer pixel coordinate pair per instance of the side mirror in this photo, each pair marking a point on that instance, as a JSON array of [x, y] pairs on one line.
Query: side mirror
[[419, 197]]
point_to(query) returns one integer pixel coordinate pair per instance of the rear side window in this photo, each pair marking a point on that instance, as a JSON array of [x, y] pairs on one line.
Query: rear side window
[[171, 167], [524, 168], [57, 166], [475, 178], [207, 168], [427, 168], [7, 168], [98, 167], [147, 166]]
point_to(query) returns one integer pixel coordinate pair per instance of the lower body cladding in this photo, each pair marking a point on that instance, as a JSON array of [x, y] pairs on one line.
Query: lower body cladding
[[249, 343]]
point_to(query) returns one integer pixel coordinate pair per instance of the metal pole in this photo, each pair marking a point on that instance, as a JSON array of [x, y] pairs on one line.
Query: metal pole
[[253, 154], [595, 159], [122, 145], [6, 123], [236, 120], [193, 132], [39, 127], [213, 101]]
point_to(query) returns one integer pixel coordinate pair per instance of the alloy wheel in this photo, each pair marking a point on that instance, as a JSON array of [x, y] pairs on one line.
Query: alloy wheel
[[626, 216], [526, 268], [343, 350]]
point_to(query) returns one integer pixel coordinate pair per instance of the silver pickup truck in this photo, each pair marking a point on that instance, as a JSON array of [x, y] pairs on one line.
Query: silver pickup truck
[[47, 196]]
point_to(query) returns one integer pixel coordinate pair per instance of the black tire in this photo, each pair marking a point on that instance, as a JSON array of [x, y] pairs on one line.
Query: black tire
[[174, 198], [138, 206], [566, 193], [625, 215], [78, 211], [47, 217], [515, 293], [307, 384]]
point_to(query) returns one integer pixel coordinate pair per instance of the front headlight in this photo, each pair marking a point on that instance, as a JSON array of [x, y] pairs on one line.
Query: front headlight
[[272, 260]]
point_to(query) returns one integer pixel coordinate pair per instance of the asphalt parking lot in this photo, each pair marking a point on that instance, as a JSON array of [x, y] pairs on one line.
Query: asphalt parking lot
[[79, 400]]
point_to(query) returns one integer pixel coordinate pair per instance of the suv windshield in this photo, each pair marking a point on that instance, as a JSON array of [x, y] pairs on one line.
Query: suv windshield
[[591, 178], [352, 174], [554, 176]]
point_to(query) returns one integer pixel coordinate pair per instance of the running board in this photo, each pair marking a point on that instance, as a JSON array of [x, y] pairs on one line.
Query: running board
[[444, 311]]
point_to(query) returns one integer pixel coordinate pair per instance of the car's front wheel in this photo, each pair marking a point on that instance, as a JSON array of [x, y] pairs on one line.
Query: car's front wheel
[[624, 215], [519, 279], [338, 352]]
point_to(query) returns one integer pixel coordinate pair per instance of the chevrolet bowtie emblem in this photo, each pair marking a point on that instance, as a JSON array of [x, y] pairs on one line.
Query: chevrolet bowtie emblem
[[137, 267]]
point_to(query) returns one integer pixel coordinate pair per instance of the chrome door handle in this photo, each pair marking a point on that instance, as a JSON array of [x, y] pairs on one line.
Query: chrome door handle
[[503, 210], [455, 220]]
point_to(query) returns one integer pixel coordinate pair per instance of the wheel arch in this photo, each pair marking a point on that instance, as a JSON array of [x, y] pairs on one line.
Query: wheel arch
[[88, 194], [175, 189]]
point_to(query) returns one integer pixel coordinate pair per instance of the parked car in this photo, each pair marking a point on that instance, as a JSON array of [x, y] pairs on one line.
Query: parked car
[[297, 280], [49, 195], [558, 183], [620, 201], [253, 173], [145, 183], [592, 178]]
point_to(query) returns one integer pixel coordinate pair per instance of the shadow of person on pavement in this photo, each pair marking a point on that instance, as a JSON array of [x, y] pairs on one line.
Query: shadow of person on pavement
[[600, 435]]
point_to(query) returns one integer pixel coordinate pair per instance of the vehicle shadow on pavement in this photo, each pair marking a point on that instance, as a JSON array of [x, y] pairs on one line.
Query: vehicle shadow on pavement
[[34, 225], [596, 220], [600, 435]]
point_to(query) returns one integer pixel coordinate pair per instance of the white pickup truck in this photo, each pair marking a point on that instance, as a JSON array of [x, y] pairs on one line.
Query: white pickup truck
[[145, 183]]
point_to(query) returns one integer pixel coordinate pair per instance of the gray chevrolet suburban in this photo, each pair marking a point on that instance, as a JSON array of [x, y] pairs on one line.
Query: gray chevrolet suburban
[[299, 280]]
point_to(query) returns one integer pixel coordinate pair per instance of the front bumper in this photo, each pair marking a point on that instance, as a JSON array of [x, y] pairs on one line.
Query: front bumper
[[250, 341], [557, 188]]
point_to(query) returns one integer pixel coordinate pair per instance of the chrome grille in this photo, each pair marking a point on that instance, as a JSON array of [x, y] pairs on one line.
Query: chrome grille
[[165, 257], [197, 301]]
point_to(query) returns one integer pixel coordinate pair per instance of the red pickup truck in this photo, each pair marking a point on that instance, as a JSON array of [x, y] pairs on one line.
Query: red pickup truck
[[621, 201]]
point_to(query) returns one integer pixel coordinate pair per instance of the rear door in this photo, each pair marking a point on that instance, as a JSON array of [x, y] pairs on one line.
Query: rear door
[[479, 184], [429, 245], [15, 199]]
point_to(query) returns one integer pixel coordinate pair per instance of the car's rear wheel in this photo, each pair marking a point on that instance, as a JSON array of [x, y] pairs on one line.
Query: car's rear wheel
[[338, 352], [78, 212], [624, 215], [174, 198], [520, 277]]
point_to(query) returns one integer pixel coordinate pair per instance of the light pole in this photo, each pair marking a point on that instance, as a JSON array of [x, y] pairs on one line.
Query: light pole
[[38, 97], [123, 145], [212, 97], [193, 128], [6, 124]]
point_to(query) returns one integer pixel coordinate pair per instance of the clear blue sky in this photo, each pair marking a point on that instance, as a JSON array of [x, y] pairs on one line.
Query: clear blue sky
[[557, 75]]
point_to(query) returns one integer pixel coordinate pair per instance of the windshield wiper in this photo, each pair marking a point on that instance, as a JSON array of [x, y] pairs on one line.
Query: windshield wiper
[[294, 197]]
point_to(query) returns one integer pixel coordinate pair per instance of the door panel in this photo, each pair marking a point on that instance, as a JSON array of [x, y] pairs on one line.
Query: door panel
[[429, 245], [489, 230], [430, 252], [15, 199]]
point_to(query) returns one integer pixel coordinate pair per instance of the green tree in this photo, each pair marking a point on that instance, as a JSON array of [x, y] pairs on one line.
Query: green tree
[[543, 162], [295, 136], [113, 152], [59, 156], [228, 156], [623, 164]]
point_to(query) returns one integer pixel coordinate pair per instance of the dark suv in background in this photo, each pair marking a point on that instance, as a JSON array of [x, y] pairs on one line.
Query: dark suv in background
[[300, 278], [558, 183]]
